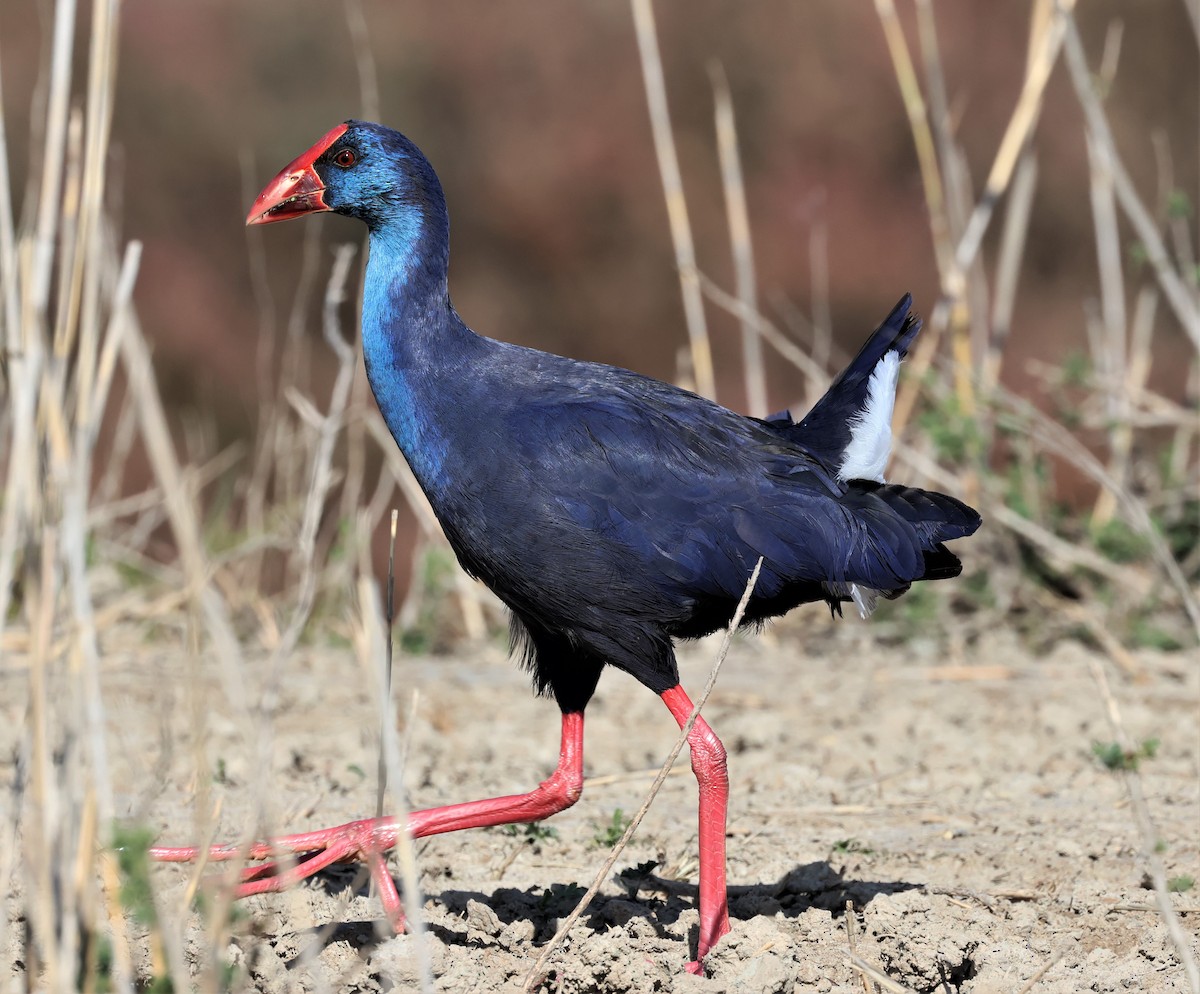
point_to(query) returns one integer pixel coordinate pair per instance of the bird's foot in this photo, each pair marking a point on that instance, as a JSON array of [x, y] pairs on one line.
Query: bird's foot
[[281, 863], [711, 933]]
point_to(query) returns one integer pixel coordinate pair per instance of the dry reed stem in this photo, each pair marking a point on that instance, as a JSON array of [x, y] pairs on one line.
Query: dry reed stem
[[918, 120], [389, 617], [537, 971], [766, 330], [54, 155], [822, 314], [1018, 211], [852, 942], [1043, 55], [1131, 380], [1020, 127], [181, 512], [1173, 286], [738, 218], [1045, 968], [40, 820], [866, 970], [321, 479], [677, 212], [1057, 440], [373, 639], [1140, 810], [934, 185], [1058, 550], [364, 61]]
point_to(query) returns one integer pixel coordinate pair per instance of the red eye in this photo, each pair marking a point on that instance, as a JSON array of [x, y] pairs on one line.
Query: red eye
[[345, 158]]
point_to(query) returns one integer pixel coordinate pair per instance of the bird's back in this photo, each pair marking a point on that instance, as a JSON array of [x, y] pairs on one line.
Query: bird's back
[[593, 497]]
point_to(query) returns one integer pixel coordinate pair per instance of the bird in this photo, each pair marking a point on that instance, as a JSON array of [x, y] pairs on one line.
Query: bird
[[612, 513]]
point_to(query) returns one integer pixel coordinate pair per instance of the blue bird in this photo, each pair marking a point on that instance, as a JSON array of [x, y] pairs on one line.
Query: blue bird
[[612, 513]]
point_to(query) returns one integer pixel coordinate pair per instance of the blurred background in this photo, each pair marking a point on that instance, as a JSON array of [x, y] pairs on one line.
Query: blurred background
[[535, 117]]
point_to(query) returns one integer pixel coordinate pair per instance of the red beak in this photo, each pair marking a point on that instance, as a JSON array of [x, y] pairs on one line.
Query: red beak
[[297, 190]]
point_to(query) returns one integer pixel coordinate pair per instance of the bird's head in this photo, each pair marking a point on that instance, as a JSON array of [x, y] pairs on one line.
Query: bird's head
[[358, 169]]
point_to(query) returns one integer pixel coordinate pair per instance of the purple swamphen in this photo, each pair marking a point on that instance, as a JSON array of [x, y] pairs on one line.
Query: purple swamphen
[[612, 513]]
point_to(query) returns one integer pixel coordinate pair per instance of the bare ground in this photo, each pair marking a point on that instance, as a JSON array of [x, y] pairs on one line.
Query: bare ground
[[950, 796]]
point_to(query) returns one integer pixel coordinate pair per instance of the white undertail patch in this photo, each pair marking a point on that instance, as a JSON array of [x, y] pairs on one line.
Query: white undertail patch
[[864, 599], [866, 457]]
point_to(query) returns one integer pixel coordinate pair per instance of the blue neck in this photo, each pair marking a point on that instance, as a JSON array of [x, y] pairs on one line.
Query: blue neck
[[414, 343]]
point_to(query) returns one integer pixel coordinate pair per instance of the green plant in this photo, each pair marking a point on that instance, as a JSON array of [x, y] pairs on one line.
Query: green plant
[[1179, 204], [132, 845], [954, 433], [534, 831], [845, 847], [1120, 543], [609, 834], [1181, 884], [435, 577], [1114, 757], [1144, 633]]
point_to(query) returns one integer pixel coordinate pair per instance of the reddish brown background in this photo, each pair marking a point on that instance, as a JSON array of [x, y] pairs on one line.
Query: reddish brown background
[[535, 117]]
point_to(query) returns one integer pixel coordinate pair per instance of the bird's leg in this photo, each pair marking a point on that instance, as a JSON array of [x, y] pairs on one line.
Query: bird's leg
[[293, 857], [708, 763], [551, 796]]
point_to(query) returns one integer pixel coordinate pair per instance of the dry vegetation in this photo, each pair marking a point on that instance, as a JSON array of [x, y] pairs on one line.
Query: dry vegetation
[[251, 551]]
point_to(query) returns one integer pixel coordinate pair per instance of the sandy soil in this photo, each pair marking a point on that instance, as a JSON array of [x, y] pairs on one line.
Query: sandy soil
[[965, 820]]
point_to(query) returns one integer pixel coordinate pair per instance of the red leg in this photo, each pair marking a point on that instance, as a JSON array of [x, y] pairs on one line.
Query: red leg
[[369, 838], [708, 763]]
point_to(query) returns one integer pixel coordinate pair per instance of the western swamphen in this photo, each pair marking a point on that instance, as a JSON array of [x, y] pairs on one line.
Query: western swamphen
[[611, 512]]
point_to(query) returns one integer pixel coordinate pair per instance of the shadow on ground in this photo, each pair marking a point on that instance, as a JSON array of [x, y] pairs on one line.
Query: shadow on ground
[[657, 901]]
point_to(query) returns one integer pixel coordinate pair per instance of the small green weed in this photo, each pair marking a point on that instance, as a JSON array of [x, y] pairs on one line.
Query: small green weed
[[1113, 757], [437, 572], [1181, 884], [1117, 541], [534, 831], [1144, 633], [132, 844], [608, 835], [954, 434]]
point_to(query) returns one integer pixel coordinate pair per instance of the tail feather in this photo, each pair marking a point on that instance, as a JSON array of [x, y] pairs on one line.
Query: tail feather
[[935, 518], [849, 428]]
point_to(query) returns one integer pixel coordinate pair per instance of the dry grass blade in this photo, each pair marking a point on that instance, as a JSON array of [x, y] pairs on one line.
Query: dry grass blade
[[1020, 126], [1008, 265], [321, 479], [389, 617], [766, 330], [536, 972], [918, 119], [1173, 286], [876, 975], [373, 640], [368, 76], [677, 212], [1045, 968], [738, 217], [1145, 825]]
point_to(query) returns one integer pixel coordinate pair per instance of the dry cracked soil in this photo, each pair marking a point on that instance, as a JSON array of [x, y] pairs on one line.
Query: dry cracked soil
[[933, 809]]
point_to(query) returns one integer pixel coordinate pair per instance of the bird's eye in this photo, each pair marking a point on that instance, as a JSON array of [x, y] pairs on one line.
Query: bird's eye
[[345, 158]]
